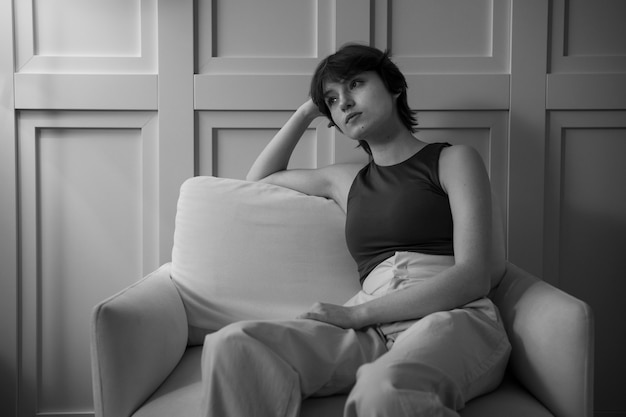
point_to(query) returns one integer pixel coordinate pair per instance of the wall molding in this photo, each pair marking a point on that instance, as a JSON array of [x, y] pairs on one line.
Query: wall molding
[[85, 92]]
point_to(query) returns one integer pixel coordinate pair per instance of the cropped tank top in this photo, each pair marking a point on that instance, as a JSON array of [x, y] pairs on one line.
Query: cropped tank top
[[398, 208]]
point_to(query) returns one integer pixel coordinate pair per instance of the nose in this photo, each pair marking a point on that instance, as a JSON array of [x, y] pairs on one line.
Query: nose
[[345, 101]]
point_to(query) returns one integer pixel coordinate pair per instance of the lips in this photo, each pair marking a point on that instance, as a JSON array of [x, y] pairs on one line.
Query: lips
[[351, 116]]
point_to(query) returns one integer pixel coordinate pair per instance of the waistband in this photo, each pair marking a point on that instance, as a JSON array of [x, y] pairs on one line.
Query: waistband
[[403, 269]]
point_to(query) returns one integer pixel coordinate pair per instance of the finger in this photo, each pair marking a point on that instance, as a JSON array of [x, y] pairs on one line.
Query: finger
[[307, 315]]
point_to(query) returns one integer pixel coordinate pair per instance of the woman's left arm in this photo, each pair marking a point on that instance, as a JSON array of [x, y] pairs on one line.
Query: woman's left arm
[[464, 178]]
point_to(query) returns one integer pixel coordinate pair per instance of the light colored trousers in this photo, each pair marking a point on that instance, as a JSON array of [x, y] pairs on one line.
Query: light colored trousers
[[426, 367]]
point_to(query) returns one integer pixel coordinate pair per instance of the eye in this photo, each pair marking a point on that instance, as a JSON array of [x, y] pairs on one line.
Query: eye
[[355, 83], [330, 101]]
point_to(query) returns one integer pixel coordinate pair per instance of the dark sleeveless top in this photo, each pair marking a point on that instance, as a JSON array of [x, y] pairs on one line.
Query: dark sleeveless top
[[398, 208]]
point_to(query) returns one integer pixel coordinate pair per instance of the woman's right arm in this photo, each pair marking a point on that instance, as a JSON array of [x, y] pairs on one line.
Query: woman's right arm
[[332, 181], [271, 165], [275, 157]]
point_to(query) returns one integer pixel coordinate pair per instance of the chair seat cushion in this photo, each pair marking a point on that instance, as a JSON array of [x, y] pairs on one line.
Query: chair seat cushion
[[181, 395]]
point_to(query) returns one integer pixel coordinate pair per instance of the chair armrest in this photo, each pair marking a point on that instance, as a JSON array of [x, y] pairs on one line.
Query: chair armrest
[[552, 335], [137, 338]]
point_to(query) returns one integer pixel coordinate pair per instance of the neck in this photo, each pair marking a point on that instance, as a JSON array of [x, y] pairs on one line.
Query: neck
[[395, 149]]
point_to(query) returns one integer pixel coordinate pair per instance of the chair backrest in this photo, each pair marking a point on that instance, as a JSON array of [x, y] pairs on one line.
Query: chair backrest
[[248, 250]]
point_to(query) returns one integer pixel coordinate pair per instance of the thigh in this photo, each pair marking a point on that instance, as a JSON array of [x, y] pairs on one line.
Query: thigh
[[325, 356], [468, 345]]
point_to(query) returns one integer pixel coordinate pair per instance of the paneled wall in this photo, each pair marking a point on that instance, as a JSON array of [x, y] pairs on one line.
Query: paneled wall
[[86, 100], [107, 106], [585, 233]]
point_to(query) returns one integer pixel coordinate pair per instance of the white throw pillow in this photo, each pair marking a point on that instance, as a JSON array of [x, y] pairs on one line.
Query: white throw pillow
[[246, 250]]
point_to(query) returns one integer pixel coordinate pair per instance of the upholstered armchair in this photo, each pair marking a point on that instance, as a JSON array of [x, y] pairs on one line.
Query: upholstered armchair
[[236, 246]]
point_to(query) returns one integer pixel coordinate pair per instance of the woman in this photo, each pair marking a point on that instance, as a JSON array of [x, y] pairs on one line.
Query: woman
[[420, 338]]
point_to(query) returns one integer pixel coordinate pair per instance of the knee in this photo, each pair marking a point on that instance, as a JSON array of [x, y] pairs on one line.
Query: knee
[[228, 342], [373, 393], [397, 391]]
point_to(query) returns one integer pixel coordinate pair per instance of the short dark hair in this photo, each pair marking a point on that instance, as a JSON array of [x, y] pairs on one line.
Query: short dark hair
[[353, 59]]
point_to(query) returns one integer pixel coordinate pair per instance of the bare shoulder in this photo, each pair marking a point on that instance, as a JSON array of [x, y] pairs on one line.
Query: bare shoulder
[[459, 153], [460, 164]]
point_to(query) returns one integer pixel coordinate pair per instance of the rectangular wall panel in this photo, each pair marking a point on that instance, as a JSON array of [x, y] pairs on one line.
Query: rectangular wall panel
[[449, 36], [88, 221], [88, 37], [592, 242], [586, 232], [595, 29], [234, 150], [277, 36], [260, 32], [461, 28], [90, 239], [85, 27], [229, 142], [588, 37]]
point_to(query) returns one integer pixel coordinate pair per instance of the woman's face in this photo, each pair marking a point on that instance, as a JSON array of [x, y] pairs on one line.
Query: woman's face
[[361, 106]]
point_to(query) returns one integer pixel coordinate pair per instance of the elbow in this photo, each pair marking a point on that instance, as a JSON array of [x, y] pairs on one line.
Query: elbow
[[478, 282], [482, 282]]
